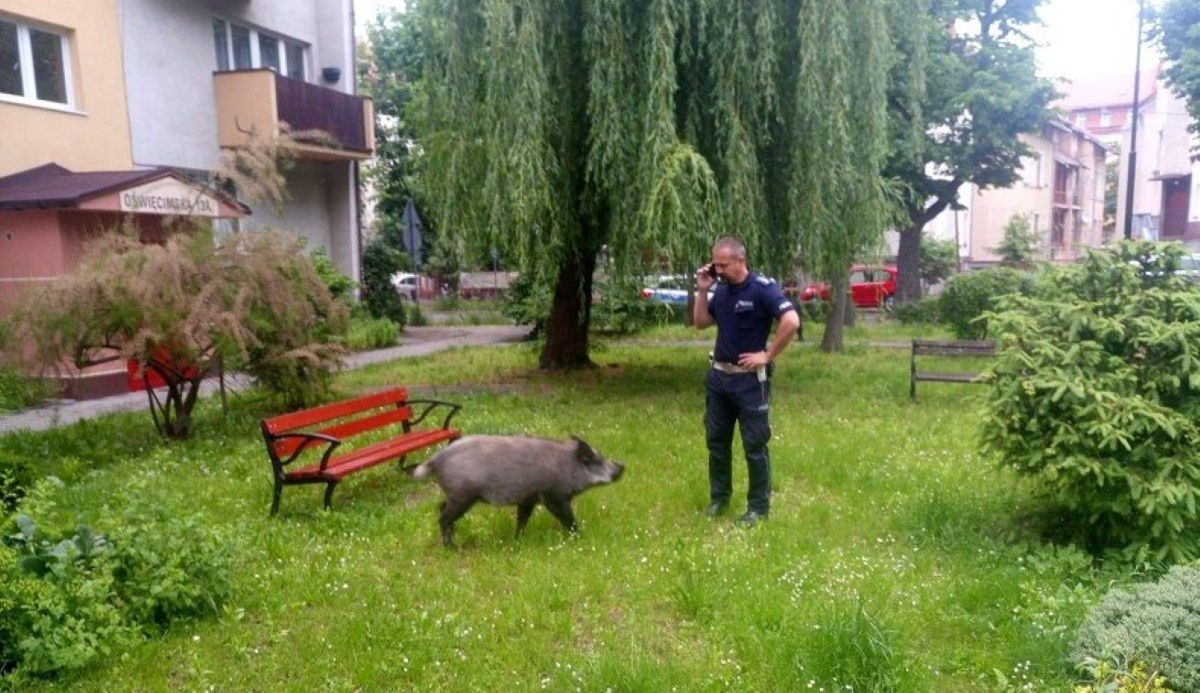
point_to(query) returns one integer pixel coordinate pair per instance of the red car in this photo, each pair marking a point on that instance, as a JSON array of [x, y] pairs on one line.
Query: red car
[[871, 286]]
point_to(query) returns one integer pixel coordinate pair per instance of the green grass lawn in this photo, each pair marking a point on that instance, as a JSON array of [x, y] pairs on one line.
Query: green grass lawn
[[892, 559]]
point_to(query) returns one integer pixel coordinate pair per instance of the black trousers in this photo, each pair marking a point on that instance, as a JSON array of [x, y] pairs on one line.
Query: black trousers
[[738, 398]]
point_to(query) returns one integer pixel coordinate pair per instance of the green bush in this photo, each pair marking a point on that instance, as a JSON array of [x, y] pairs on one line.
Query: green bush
[[70, 598], [1095, 395], [18, 391], [927, 311], [623, 310], [527, 301], [16, 473], [340, 286], [1152, 625], [371, 333], [379, 263], [970, 295]]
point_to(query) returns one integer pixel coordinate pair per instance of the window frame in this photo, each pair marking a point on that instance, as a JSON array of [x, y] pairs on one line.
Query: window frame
[[28, 96], [256, 62]]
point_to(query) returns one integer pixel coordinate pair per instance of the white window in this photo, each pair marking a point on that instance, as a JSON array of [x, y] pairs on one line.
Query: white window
[[242, 48], [35, 65], [1031, 170], [1105, 118], [1081, 120]]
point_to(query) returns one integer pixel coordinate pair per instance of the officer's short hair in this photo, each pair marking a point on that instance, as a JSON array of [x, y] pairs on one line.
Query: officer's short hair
[[733, 244]]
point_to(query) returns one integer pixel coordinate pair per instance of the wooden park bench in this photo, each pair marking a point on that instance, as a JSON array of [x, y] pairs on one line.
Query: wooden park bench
[[929, 347], [288, 436]]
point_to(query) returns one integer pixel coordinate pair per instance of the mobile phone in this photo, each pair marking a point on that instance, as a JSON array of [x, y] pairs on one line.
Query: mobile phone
[[710, 270]]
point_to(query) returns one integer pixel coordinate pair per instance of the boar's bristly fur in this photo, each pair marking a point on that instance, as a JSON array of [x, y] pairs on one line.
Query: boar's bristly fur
[[515, 470]]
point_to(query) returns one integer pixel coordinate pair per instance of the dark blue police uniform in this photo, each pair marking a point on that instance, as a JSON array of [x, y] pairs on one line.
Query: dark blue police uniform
[[743, 314]]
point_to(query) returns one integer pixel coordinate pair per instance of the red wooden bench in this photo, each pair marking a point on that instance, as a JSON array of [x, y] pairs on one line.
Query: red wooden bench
[[288, 436]]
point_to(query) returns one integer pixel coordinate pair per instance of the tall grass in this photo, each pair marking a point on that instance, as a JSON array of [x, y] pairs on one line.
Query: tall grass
[[892, 560]]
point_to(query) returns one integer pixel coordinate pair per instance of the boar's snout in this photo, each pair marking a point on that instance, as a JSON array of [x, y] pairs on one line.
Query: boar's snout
[[618, 470]]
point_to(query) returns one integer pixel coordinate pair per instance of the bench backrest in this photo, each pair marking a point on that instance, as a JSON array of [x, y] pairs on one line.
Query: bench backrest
[[353, 416], [953, 348]]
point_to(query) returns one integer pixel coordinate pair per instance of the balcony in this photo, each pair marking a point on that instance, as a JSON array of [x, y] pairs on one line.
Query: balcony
[[258, 101]]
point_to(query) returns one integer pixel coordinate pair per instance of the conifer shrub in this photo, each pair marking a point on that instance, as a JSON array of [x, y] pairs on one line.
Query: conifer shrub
[[1147, 630], [1095, 395]]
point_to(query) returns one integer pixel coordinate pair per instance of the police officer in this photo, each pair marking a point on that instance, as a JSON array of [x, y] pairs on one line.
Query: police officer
[[738, 388]]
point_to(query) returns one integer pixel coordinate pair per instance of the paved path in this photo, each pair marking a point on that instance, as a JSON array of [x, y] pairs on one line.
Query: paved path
[[420, 341]]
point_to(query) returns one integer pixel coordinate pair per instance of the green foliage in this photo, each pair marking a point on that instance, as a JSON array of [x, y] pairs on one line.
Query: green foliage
[[970, 296], [552, 130], [1019, 245], [622, 309], [965, 88], [927, 311], [18, 391], [371, 333], [527, 301], [1177, 28], [71, 597], [939, 260], [340, 286], [1096, 396], [1144, 631], [186, 309], [851, 649], [379, 262]]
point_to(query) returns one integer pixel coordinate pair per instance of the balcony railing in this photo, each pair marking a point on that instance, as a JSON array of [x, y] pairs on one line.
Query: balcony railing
[[257, 102]]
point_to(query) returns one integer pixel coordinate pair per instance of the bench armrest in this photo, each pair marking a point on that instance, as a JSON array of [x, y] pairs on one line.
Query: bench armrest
[[333, 443], [432, 404]]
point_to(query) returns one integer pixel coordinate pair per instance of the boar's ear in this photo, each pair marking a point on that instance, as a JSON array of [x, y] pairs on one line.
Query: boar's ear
[[583, 452]]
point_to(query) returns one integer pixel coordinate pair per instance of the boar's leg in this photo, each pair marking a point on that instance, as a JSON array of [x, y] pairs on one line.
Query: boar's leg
[[524, 510], [561, 508], [452, 509]]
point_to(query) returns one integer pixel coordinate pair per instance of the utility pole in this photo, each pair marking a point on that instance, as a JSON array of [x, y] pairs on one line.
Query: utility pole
[[1132, 175]]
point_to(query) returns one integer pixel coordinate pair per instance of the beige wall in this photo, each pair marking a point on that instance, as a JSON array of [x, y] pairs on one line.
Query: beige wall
[[1033, 195], [94, 135], [992, 209]]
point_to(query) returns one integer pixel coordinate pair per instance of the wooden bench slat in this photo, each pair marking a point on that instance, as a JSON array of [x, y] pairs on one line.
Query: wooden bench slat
[[948, 377], [287, 446], [328, 412], [355, 460]]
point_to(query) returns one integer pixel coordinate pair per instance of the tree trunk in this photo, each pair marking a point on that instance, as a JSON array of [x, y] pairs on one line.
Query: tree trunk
[[839, 287], [908, 265], [570, 313]]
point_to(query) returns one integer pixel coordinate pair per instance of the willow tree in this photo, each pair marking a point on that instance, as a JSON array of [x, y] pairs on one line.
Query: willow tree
[[558, 128]]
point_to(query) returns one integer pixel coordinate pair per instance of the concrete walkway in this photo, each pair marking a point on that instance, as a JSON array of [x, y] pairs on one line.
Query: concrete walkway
[[419, 341]]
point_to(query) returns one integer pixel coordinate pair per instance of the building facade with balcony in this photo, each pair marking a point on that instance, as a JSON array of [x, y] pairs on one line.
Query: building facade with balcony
[[206, 75], [1166, 195], [1060, 191], [115, 112]]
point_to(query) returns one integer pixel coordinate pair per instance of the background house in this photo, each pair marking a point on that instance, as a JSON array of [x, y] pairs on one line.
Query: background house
[[1060, 191]]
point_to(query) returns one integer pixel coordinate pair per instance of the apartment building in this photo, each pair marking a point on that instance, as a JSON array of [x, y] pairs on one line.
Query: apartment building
[[118, 110], [1060, 191], [113, 108], [1166, 195]]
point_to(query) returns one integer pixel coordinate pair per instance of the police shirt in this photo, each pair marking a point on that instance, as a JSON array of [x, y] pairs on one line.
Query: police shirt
[[743, 314]]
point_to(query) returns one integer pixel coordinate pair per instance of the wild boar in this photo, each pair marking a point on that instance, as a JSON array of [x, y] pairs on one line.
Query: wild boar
[[515, 470]]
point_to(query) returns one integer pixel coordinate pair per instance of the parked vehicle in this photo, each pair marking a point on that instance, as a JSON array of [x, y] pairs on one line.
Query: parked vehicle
[[671, 289], [406, 285], [871, 286]]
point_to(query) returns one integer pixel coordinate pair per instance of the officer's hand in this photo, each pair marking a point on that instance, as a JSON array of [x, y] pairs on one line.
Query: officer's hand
[[753, 359], [704, 280]]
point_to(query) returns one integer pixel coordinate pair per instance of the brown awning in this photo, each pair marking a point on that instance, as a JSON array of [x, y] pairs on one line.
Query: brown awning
[[158, 191]]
